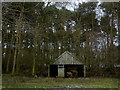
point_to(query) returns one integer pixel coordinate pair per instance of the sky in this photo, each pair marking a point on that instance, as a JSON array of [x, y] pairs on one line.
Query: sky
[[72, 3]]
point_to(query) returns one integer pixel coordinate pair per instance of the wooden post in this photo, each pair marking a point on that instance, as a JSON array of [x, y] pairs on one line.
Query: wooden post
[[48, 70], [64, 71], [84, 71]]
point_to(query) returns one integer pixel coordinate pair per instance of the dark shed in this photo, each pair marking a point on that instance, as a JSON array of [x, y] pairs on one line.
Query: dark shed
[[66, 65]]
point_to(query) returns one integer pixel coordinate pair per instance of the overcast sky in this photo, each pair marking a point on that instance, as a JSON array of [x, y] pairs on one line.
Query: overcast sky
[[59, 0]]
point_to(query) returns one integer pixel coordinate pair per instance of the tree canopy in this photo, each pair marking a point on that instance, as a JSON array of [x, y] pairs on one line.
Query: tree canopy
[[34, 34]]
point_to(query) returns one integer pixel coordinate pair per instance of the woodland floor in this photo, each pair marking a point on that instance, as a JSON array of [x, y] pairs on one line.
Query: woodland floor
[[39, 82]]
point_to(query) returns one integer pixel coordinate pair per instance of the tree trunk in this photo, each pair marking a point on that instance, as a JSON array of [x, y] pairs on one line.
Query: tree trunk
[[34, 57], [15, 55], [8, 61], [18, 39], [19, 51]]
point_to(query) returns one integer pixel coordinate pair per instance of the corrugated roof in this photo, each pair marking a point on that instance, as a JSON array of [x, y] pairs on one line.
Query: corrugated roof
[[66, 58]]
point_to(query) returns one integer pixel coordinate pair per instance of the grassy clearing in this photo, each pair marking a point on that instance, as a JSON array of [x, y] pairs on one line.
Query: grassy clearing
[[30, 82]]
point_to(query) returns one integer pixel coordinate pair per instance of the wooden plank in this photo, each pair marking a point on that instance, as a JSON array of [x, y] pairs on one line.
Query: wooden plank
[[84, 71], [61, 71], [66, 58]]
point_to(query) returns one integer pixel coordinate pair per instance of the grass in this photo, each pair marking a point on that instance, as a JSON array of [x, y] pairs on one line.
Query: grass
[[30, 82]]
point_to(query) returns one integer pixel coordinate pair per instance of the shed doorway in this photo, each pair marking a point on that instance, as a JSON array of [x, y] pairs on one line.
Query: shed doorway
[[67, 70], [74, 71], [53, 70]]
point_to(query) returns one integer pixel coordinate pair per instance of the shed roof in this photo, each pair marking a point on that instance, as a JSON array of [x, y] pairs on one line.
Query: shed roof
[[66, 58]]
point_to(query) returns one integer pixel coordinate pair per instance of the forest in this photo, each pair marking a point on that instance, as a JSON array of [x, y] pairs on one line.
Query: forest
[[35, 34]]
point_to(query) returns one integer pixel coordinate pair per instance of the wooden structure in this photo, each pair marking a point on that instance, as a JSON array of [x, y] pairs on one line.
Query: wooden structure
[[66, 65]]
